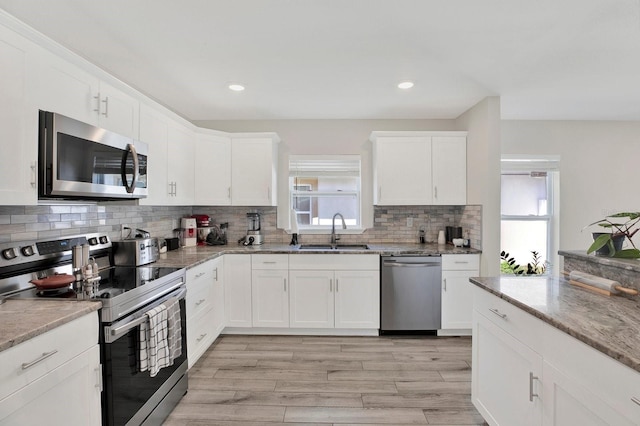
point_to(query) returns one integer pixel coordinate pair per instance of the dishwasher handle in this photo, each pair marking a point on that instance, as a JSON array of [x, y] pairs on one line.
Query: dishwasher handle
[[411, 265]]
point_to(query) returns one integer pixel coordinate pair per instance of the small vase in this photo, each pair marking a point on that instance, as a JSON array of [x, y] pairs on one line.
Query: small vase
[[618, 240]]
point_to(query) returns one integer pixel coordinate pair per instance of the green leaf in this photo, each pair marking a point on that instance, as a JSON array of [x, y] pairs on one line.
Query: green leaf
[[600, 242], [628, 254]]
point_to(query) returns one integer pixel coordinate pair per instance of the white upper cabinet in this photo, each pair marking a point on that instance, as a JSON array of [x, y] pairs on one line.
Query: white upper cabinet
[[180, 173], [213, 170], [67, 89], [449, 170], [419, 168], [154, 131], [18, 120], [254, 164]]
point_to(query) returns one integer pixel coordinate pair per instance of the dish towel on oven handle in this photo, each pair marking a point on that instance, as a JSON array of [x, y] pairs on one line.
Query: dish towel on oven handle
[[154, 349], [174, 328]]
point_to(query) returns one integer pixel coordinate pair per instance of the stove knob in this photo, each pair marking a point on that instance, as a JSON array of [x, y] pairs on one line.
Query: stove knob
[[93, 241], [27, 251], [104, 239], [105, 295], [9, 253]]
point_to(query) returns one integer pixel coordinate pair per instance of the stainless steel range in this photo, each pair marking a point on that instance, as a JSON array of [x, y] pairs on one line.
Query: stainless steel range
[[127, 293]]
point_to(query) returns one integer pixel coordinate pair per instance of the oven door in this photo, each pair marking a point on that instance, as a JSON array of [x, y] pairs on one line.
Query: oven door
[[78, 160], [130, 395]]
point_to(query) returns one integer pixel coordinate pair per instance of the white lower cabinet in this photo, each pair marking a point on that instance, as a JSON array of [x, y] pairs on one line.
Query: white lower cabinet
[[217, 296], [270, 290], [526, 372], [54, 378], [199, 311], [457, 297], [237, 290], [334, 291]]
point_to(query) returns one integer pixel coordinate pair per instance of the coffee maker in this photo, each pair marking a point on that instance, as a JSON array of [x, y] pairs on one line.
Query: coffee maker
[[253, 237]]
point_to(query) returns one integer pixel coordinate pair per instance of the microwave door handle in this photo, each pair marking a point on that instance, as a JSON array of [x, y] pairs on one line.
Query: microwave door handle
[[130, 188]]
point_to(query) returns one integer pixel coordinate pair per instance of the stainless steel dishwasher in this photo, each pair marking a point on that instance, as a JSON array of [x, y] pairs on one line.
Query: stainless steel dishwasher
[[410, 293]]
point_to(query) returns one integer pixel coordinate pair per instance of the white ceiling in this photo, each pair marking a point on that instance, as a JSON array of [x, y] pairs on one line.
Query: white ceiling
[[342, 59]]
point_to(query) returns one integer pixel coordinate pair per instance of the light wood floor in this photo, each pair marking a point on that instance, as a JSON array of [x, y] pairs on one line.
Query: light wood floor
[[251, 380]]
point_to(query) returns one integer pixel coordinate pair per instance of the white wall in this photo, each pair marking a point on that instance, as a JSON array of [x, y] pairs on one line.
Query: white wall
[[598, 168], [482, 122]]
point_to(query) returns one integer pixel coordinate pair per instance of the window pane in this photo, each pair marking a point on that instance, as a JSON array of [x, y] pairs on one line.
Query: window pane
[[520, 237], [324, 207], [524, 195]]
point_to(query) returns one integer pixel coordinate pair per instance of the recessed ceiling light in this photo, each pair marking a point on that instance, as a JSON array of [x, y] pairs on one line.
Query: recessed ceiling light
[[236, 87], [405, 85]]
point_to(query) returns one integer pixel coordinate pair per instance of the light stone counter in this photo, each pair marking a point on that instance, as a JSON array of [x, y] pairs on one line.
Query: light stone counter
[[608, 324], [23, 319], [187, 257]]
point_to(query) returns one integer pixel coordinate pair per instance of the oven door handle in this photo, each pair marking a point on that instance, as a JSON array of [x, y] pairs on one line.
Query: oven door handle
[[115, 331]]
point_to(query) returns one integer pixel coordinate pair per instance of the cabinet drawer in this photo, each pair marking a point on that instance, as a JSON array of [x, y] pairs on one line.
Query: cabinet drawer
[[199, 335], [523, 326], [335, 262], [269, 261], [198, 298], [28, 361], [460, 262], [199, 272]]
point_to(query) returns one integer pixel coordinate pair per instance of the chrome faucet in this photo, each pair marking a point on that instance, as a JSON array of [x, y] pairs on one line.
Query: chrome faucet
[[334, 238]]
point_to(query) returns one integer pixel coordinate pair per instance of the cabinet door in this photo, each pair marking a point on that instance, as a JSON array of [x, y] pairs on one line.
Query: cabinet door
[[180, 153], [402, 171], [46, 401], [213, 170], [270, 298], [237, 290], [154, 130], [311, 299], [357, 299], [457, 299], [119, 112], [449, 170], [505, 387], [253, 172], [567, 403], [18, 121], [217, 295]]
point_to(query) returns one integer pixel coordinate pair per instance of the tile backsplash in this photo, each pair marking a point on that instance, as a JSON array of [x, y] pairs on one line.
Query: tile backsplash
[[19, 223]]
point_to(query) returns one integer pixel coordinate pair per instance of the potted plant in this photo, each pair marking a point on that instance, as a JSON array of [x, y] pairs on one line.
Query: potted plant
[[611, 242]]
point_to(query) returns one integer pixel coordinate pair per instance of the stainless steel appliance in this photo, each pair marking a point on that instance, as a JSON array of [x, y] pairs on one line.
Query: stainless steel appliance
[[129, 396], [80, 161], [410, 293], [254, 236], [136, 251]]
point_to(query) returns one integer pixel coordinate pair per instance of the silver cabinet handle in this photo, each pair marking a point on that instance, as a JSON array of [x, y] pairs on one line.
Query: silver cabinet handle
[[435, 192], [444, 281], [330, 285], [285, 284], [41, 358], [199, 275], [106, 106], [269, 263], [229, 192], [337, 284], [202, 336], [531, 379], [635, 400], [216, 276], [98, 372], [460, 262], [33, 173], [199, 302], [498, 313], [175, 189]]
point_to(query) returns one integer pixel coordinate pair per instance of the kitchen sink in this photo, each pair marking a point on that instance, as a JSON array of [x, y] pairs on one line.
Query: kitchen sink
[[330, 247]]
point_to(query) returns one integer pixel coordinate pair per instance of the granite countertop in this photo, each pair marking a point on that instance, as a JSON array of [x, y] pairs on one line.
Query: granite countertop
[[23, 319], [625, 264], [608, 324], [187, 257]]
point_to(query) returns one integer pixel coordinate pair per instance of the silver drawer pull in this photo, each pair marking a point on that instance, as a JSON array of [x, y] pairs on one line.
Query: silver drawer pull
[[199, 275], [635, 400], [269, 263], [202, 336], [41, 358], [460, 262], [498, 313], [199, 302], [531, 394]]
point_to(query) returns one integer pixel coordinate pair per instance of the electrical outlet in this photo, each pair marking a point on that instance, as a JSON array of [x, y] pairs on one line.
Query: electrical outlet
[[409, 222], [124, 231]]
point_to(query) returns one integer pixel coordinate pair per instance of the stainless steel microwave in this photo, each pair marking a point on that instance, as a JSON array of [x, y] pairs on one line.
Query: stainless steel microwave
[[80, 161]]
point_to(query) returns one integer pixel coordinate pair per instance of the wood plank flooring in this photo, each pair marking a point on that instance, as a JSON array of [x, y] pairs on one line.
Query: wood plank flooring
[[299, 380]]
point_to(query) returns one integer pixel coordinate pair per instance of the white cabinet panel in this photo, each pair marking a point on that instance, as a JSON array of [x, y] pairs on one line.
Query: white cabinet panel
[[217, 296], [402, 171], [457, 291], [311, 299], [449, 170], [119, 112], [154, 131], [212, 170], [18, 121], [254, 171], [270, 298], [505, 376], [237, 290], [180, 170], [357, 299]]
